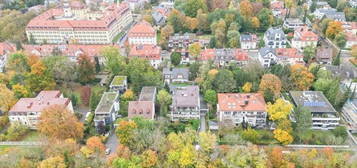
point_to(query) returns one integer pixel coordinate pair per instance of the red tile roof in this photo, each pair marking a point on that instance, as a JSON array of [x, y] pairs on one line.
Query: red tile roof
[[67, 50], [305, 34], [277, 5], [6, 47], [37, 104], [241, 102], [141, 108], [288, 53], [46, 20], [149, 52], [142, 29], [210, 54]]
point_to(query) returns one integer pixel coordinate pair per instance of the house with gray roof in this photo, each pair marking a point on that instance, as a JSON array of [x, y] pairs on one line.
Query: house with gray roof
[[324, 116], [186, 103], [275, 37], [267, 56], [159, 19], [330, 13], [293, 23], [107, 111], [353, 3], [176, 75]]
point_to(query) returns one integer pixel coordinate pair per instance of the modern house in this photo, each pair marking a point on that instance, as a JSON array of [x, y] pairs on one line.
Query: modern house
[[304, 37], [75, 23], [179, 75], [141, 34], [119, 84], [324, 116], [267, 57], [274, 37], [293, 23], [241, 108], [278, 9], [248, 41], [27, 111], [185, 103], [149, 52], [225, 56], [107, 111], [145, 106], [324, 55], [5, 50]]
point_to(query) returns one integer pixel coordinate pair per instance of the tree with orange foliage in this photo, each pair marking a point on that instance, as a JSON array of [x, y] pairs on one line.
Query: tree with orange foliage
[[301, 77], [86, 69], [191, 23], [125, 131], [246, 8], [94, 143], [271, 82], [149, 158], [276, 157], [58, 122], [333, 29]]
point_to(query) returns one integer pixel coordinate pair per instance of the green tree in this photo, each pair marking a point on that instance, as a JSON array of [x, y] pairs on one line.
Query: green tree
[[176, 58], [309, 53], [164, 99], [192, 6], [224, 81], [114, 62], [96, 94], [303, 119], [340, 40], [266, 19]]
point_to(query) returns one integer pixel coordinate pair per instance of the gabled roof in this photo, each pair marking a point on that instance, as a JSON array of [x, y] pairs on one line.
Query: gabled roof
[[266, 50], [241, 102], [6, 47], [147, 51], [226, 54], [142, 29], [141, 108], [248, 38], [187, 96], [305, 34], [274, 31], [43, 100], [288, 53]]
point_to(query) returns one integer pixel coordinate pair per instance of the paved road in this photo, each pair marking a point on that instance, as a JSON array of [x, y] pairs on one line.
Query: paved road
[[21, 143], [202, 122], [84, 111], [112, 142]]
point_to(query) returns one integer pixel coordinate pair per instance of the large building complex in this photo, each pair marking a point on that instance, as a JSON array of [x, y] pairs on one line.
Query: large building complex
[[75, 23], [27, 111], [241, 108]]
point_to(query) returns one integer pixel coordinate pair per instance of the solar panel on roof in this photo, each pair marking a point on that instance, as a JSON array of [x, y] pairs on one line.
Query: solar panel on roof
[[315, 104]]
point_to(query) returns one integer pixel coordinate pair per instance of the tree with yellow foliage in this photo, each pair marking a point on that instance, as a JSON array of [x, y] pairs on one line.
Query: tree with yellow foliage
[[7, 98], [149, 159], [191, 23], [53, 162], [354, 52], [128, 95], [20, 91], [255, 23], [125, 131], [247, 87], [195, 50], [279, 110], [301, 77], [283, 136]]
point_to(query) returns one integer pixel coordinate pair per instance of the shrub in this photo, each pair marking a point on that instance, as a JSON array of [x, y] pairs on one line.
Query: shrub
[[251, 135], [16, 131]]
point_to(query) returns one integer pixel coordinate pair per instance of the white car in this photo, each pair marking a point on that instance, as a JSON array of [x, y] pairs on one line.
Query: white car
[[107, 151]]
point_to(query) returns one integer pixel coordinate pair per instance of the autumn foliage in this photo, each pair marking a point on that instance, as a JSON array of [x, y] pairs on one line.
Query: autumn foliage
[[95, 144], [271, 82], [301, 77], [57, 122]]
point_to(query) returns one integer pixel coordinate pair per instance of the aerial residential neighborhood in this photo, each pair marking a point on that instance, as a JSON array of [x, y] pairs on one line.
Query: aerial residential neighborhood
[[178, 83]]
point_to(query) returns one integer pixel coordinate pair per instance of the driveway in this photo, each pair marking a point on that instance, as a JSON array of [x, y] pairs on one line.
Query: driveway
[[83, 111], [112, 142]]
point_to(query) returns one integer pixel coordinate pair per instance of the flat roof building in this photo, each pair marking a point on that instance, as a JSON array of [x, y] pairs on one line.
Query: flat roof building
[[324, 116]]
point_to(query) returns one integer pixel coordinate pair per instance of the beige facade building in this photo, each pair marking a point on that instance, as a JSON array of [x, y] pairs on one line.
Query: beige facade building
[[75, 23]]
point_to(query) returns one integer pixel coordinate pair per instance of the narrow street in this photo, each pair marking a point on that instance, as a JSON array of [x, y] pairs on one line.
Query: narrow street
[[112, 142]]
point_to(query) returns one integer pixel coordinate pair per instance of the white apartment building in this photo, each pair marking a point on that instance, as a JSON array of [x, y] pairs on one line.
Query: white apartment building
[[248, 41], [75, 23], [27, 111], [241, 108], [274, 37]]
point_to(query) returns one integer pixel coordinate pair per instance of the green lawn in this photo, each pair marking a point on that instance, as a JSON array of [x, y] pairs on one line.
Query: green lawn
[[32, 136]]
